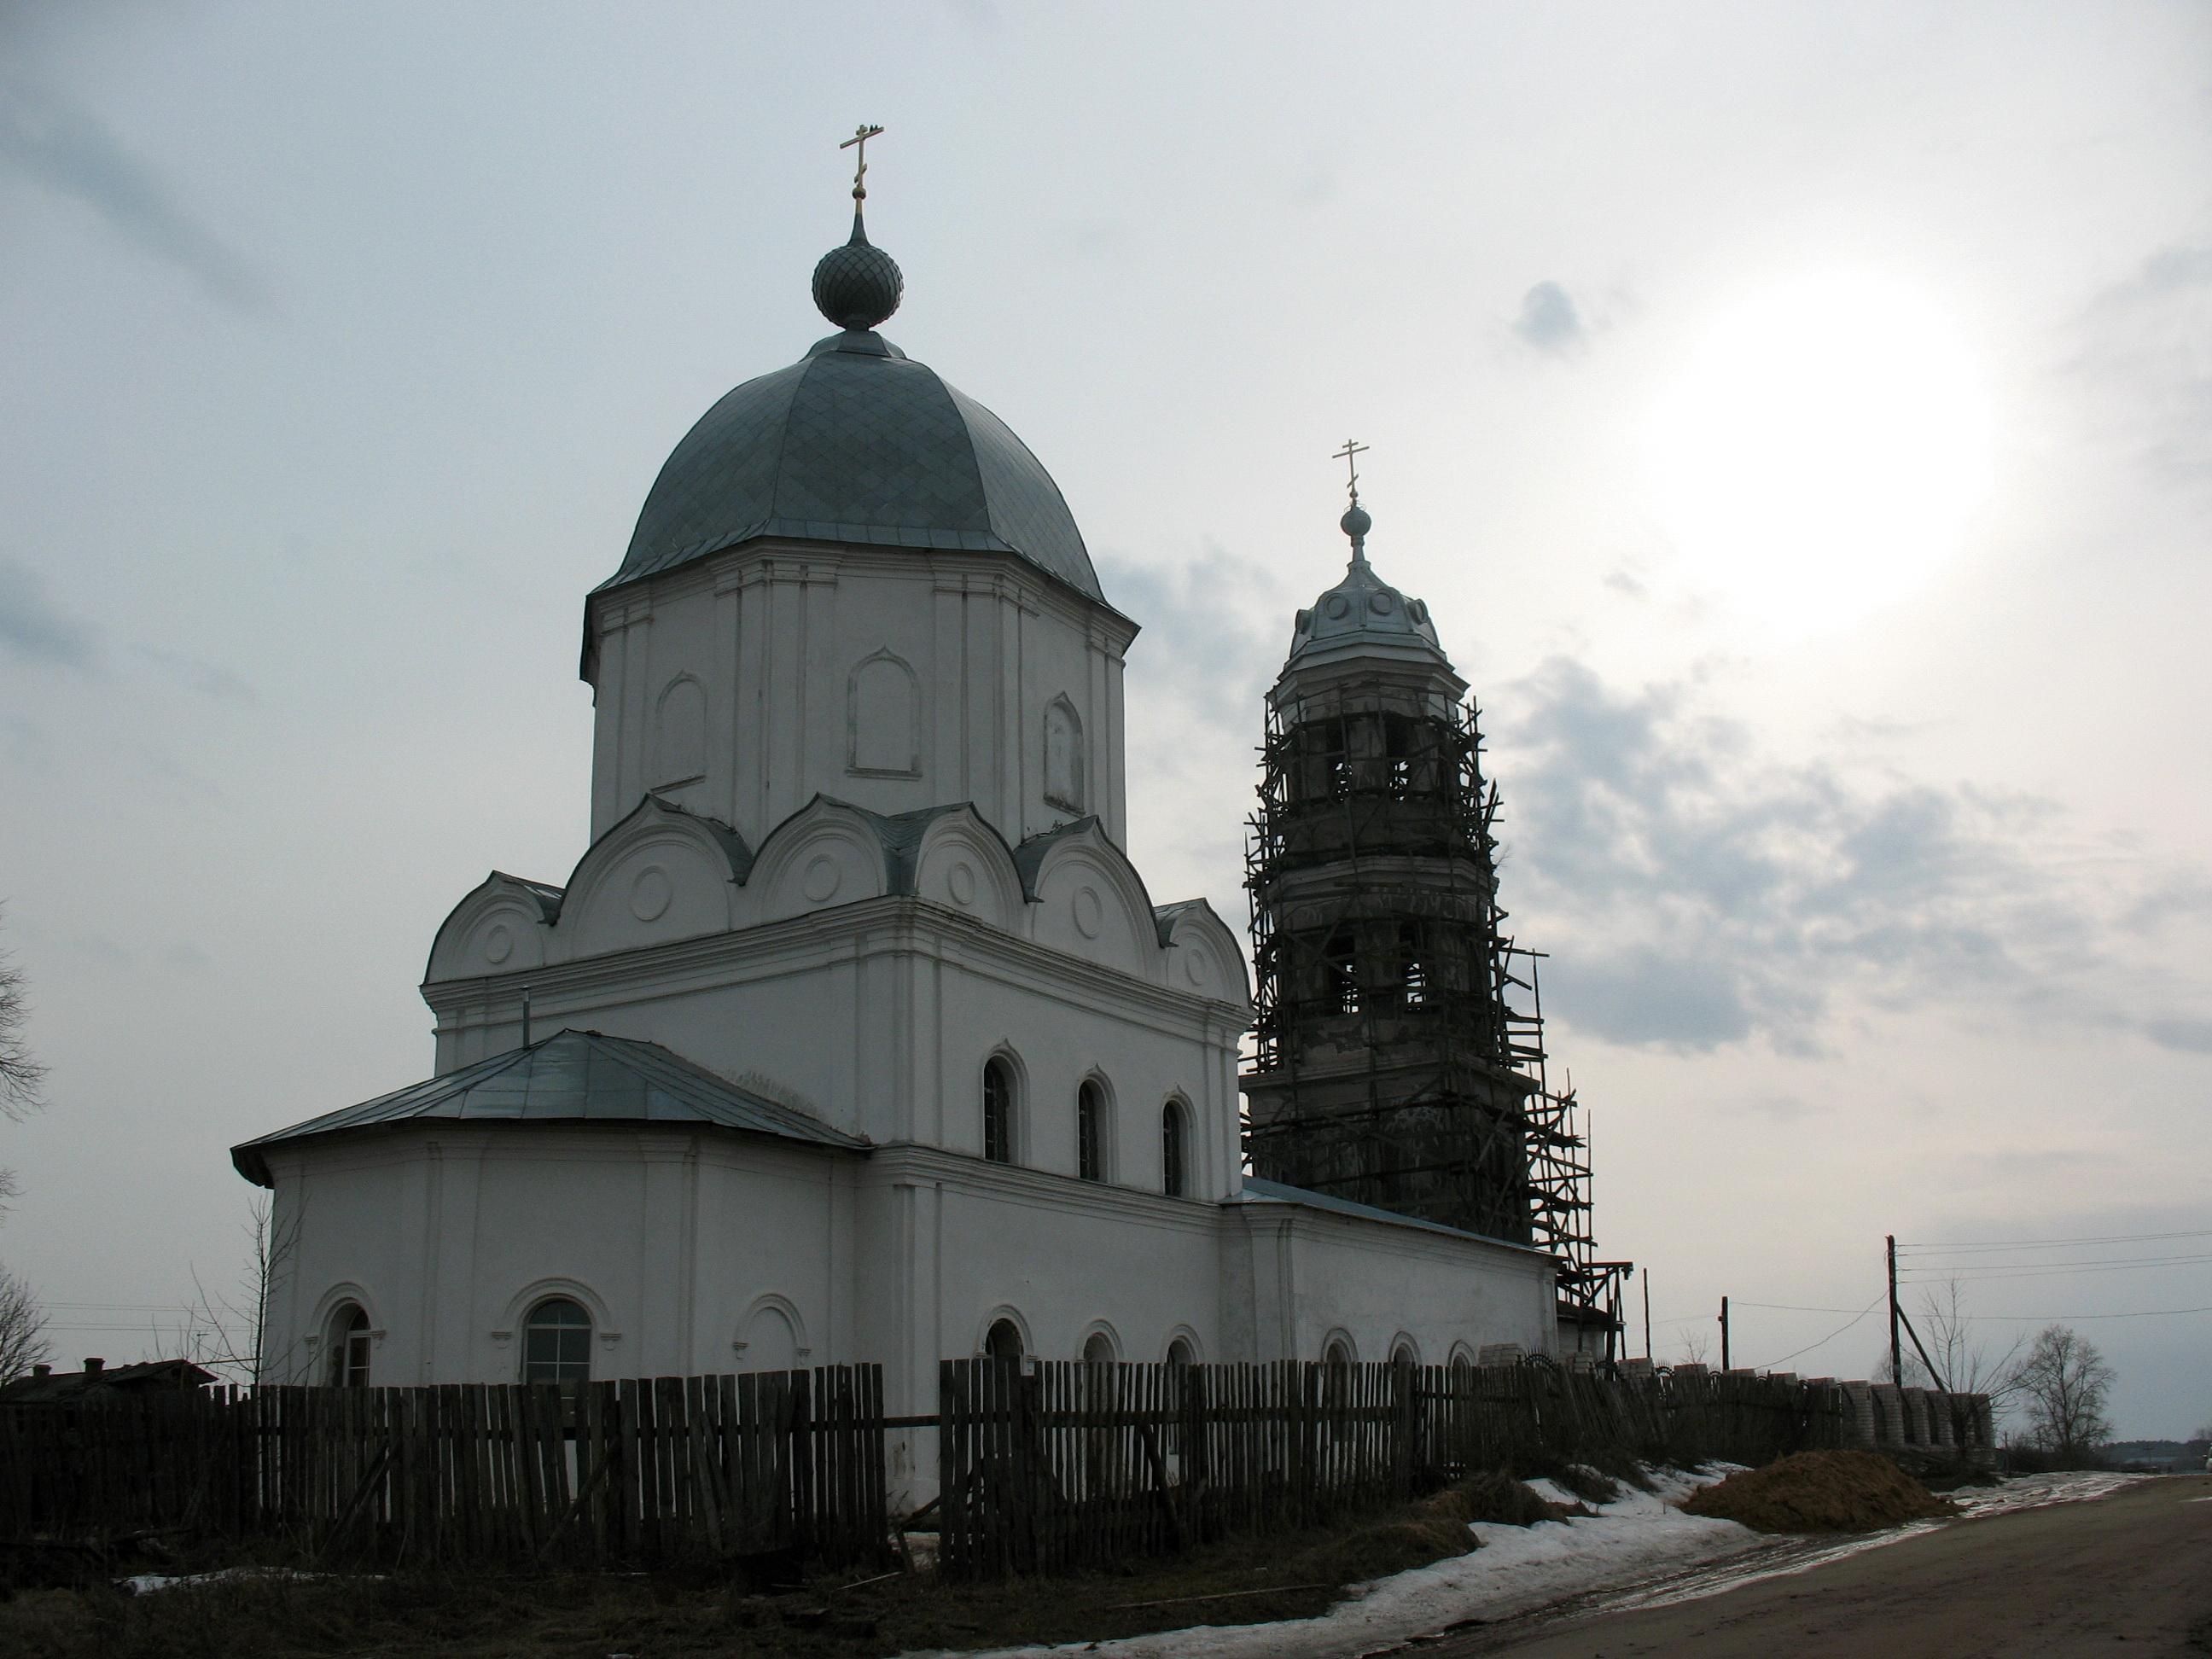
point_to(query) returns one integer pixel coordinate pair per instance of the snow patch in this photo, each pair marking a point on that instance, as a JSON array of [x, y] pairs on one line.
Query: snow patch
[[1638, 1551], [146, 1582], [1515, 1570]]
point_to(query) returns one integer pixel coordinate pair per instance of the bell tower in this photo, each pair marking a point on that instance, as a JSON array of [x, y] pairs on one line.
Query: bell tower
[[1399, 1060]]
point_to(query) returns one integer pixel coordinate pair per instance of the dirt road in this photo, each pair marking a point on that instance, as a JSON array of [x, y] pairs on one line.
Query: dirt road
[[2135, 1567]]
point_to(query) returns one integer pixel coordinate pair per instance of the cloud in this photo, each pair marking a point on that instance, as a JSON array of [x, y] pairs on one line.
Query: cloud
[[1550, 322], [1196, 642], [2190, 1036], [2146, 358], [24, 745], [34, 628], [66, 149], [1645, 997], [1709, 893], [210, 679]]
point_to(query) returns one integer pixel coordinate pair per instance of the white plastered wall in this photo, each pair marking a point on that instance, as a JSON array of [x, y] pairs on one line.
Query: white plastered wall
[[698, 1242], [772, 635]]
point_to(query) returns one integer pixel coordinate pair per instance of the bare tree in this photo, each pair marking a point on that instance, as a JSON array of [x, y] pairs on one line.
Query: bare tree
[[1968, 1365], [2065, 1383], [23, 1328], [226, 1331], [1696, 1345], [22, 1079]]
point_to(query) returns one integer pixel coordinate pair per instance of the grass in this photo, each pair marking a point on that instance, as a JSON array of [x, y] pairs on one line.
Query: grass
[[591, 1615]]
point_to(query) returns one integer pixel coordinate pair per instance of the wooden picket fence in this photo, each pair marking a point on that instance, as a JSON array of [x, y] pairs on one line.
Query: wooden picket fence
[[1042, 1466], [1533, 1415], [1058, 1465], [643, 1471], [1049, 1466]]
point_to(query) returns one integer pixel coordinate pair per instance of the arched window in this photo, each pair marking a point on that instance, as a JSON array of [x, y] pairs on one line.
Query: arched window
[[998, 1111], [556, 1343], [1179, 1354], [1337, 1356], [350, 1341], [1414, 963], [1090, 1133], [1098, 1349], [1175, 1150], [1341, 972], [1403, 1353], [1003, 1340]]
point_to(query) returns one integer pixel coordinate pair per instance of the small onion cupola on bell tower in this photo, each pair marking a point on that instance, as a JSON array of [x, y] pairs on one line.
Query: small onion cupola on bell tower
[[1363, 620], [1387, 1070]]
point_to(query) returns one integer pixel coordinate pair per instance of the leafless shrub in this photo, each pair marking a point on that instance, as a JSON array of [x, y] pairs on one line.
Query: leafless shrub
[[23, 1328]]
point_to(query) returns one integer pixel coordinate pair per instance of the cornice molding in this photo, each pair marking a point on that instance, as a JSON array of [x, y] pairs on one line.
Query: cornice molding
[[892, 926]]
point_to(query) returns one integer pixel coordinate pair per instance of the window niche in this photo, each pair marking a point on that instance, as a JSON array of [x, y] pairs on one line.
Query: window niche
[[883, 719], [679, 733]]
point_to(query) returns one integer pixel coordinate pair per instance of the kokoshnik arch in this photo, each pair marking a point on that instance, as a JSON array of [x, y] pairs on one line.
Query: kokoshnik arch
[[854, 1035]]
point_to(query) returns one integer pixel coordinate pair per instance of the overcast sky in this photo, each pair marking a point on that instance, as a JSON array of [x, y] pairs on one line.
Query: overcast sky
[[1798, 419]]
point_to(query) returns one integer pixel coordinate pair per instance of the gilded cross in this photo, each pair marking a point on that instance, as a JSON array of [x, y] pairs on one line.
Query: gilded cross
[[1349, 455], [861, 136]]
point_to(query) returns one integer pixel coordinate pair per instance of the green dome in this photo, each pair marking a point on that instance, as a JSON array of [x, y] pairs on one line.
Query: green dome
[[855, 443]]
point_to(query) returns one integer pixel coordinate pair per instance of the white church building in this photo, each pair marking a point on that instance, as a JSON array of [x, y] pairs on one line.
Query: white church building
[[853, 1036]]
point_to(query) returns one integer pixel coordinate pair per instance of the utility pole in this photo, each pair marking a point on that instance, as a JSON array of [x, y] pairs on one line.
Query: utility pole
[[1896, 1353], [1724, 1334], [1647, 1313]]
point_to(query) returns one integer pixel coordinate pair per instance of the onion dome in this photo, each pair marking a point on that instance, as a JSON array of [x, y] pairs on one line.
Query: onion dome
[[858, 285], [855, 443]]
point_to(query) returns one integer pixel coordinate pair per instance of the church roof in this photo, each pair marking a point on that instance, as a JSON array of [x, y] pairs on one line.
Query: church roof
[[1254, 1190], [1362, 613], [855, 443], [573, 1077]]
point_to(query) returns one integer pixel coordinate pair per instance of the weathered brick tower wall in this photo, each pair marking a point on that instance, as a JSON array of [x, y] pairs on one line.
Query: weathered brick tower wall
[[1386, 1071]]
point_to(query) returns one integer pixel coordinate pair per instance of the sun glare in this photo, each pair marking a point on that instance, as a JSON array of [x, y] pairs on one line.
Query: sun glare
[[1822, 451]]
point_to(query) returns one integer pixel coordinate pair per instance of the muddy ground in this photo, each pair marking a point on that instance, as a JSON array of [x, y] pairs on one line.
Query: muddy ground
[[2127, 1573]]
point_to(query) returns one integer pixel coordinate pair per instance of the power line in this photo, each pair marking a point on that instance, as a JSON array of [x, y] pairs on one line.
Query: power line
[[1790, 1307], [2060, 1319], [2052, 1244], [1927, 1276], [1830, 1337]]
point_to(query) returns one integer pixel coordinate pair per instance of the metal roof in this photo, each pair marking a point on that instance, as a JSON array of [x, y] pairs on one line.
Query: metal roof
[[147, 1376], [573, 1077], [1256, 1191], [1362, 613], [855, 443]]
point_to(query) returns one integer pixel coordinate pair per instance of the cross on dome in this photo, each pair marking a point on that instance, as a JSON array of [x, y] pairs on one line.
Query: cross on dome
[[858, 286], [1355, 523], [862, 134], [1350, 454]]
